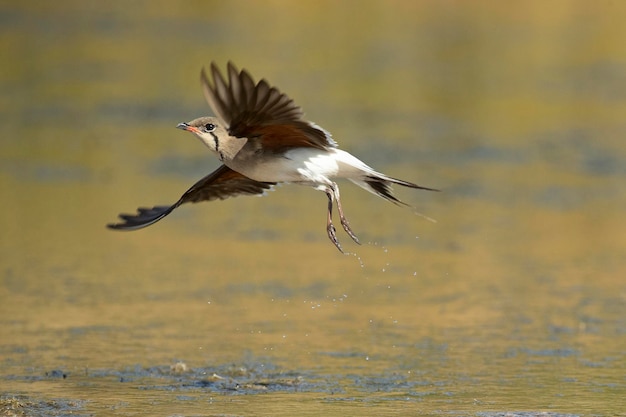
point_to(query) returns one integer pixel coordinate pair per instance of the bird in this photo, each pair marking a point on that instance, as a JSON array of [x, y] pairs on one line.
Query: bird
[[262, 139]]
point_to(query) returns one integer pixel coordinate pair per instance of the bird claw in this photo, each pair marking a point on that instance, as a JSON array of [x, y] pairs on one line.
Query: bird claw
[[332, 235], [346, 227]]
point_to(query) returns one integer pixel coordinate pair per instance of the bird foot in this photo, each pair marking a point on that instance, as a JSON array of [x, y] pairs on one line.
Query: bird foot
[[332, 235], [346, 227]]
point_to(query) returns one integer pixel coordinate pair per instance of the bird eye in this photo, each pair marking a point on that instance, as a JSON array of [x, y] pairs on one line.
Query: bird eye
[[209, 127]]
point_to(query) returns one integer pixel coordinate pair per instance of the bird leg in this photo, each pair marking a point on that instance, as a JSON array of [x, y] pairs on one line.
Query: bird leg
[[344, 221], [330, 228]]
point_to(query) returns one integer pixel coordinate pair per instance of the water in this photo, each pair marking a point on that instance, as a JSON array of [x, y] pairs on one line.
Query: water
[[511, 303]]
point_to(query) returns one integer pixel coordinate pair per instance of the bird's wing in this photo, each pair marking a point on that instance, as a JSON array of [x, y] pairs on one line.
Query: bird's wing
[[220, 184], [259, 111]]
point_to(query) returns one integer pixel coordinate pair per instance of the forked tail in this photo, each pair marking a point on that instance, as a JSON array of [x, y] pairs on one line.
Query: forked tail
[[381, 186]]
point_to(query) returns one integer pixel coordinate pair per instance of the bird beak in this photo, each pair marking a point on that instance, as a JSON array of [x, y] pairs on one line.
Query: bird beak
[[188, 128]]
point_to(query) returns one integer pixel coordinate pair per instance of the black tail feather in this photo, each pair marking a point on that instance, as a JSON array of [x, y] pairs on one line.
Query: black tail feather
[[382, 187]]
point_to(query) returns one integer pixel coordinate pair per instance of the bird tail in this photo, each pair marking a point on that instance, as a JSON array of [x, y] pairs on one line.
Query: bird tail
[[381, 185]]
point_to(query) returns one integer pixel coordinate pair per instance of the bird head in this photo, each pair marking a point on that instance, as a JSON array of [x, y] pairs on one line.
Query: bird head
[[212, 132]]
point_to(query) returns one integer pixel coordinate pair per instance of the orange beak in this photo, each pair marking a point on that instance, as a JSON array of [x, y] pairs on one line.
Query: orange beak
[[187, 127]]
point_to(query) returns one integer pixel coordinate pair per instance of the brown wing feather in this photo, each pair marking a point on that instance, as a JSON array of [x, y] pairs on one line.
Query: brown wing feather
[[220, 184], [249, 109], [279, 138]]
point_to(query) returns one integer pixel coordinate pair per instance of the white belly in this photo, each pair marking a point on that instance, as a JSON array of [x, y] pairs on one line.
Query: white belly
[[307, 165]]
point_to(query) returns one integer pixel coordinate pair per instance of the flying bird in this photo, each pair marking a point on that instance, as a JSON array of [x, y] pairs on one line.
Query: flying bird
[[260, 136]]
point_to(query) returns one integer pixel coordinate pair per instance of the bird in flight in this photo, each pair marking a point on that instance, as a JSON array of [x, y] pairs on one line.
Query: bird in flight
[[260, 136]]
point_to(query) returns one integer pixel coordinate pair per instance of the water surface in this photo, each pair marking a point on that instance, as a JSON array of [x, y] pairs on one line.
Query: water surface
[[511, 302]]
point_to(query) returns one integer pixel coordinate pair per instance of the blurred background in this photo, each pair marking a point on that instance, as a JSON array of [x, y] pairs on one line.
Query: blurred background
[[514, 299]]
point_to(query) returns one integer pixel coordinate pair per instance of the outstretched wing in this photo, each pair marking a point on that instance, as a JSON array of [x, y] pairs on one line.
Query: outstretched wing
[[258, 111], [220, 184]]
